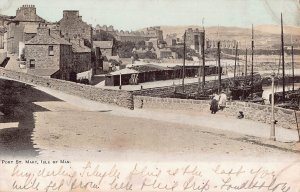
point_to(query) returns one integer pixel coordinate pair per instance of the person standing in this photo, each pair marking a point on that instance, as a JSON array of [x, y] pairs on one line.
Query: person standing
[[222, 101], [214, 104]]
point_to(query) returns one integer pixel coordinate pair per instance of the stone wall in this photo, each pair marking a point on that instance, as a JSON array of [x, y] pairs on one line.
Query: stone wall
[[168, 91], [286, 118], [115, 97]]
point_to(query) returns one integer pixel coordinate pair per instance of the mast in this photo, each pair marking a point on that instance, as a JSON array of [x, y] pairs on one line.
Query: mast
[[219, 68], [183, 67], [245, 70], [238, 65], [293, 69], [234, 72], [282, 57], [252, 51], [203, 60]]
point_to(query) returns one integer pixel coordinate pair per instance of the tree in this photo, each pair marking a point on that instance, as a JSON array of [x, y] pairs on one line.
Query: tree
[[124, 49], [103, 36]]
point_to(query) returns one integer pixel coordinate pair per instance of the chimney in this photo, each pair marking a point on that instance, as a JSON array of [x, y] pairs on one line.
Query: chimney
[[43, 29]]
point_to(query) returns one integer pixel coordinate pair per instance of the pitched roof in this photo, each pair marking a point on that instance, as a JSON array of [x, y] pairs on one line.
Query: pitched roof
[[30, 28], [80, 49], [115, 57], [148, 67], [21, 17], [124, 71], [52, 39], [103, 44]]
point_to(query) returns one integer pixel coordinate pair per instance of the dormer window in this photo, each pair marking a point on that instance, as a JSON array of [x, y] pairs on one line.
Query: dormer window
[[50, 51]]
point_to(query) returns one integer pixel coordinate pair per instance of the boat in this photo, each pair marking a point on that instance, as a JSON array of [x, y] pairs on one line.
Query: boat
[[286, 99], [246, 88], [203, 92]]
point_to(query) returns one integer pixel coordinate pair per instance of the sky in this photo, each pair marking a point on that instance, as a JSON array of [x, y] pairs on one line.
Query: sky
[[137, 14]]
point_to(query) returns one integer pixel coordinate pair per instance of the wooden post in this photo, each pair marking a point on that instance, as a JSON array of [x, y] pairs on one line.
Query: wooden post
[[272, 131], [282, 57]]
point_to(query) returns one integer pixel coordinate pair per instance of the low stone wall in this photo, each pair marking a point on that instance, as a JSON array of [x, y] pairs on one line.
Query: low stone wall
[[116, 97], [168, 91], [286, 118]]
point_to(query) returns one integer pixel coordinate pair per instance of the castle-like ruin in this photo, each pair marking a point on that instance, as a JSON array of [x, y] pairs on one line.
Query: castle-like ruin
[[132, 36]]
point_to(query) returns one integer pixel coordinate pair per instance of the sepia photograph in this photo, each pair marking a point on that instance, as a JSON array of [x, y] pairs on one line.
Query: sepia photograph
[[150, 95]]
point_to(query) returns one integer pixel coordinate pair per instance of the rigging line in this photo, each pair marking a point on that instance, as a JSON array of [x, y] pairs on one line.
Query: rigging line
[[270, 10]]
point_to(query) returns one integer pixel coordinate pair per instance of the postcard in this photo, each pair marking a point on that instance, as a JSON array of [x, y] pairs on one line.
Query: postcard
[[150, 95]]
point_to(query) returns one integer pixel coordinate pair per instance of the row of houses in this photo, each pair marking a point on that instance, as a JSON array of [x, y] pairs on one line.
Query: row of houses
[[132, 36]]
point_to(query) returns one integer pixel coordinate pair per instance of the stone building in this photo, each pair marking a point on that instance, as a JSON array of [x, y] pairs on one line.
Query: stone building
[[154, 32], [81, 56], [106, 47], [47, 54], [132, 36], [22, 28], [108, 29], [157, 48], [73, 27], [194, 39], [171, 39]]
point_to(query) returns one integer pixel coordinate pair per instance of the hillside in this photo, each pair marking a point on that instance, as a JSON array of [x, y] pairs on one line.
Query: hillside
[[266, 36]]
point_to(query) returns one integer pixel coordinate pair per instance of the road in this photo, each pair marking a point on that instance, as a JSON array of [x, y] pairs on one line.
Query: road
[[57, 125]]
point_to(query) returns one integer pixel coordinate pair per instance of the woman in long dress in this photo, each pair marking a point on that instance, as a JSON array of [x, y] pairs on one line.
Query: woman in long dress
[[214, 104]]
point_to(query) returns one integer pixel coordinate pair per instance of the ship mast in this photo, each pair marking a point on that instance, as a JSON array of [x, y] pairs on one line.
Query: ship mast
[[203, 59], [293, 69], [282, 57], [252, 52], [246, 66], [219, 68], [183, 67], [236, 52]]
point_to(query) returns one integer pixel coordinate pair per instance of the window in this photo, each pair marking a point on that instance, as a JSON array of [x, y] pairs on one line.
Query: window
[[50, 51], [32, 63]]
